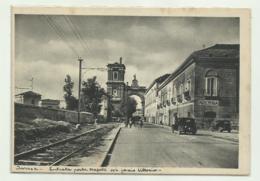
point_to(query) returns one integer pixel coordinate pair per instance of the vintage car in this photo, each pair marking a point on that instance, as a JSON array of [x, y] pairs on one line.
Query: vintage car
[[221, 125], [185, 125]]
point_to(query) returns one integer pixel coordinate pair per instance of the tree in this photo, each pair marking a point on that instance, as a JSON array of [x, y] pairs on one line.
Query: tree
[[129, 107], [92, 96], [71, 101]]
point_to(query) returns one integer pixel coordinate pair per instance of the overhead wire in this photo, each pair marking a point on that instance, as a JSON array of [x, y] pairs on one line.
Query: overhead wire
[[76, 31], [58, 28], [65, 35], [92, 33], [58, 31]]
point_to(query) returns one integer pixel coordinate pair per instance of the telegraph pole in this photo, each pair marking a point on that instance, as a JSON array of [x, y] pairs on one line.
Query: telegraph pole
[[80, 64]]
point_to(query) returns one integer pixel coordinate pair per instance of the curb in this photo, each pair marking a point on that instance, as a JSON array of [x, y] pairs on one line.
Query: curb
[[214, 136], [229, 139], [106, 156]]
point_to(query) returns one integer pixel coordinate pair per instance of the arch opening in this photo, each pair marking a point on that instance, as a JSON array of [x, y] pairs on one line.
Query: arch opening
[[139, 106]]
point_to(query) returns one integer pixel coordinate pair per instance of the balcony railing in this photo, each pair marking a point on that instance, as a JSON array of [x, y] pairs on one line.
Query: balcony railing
[[168, 103], [187, 95], [179, 98], [210, 96], [173, 101]]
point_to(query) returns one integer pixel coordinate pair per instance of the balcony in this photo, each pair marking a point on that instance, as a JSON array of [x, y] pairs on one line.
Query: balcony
[[210, 95], [187, 96], [173, 101], [160, 105], [179, 98]]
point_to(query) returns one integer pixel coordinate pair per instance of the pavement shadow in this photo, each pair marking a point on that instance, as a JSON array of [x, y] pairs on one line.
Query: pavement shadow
[[199, 134], [202, 134]]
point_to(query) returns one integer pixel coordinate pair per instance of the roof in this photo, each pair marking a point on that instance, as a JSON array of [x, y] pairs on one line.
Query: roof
[[116, 64], [158, 80], [54, 100], [161, 78], [29, 93], [218, 52]]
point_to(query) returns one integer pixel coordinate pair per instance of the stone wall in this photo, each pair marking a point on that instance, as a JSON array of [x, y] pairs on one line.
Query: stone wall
[[24, 112]]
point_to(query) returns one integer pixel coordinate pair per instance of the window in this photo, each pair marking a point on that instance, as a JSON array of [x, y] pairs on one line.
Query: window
[[174, 91], [211, 86], [115, 75], [211, 83], [181, 89], [188, 85], [115, 93], [169, 92]]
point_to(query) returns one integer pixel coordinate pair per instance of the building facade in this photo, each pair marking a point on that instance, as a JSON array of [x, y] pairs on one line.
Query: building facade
[[28, 98], [151, 99], [116, 84], [50, 103], [205, 87]]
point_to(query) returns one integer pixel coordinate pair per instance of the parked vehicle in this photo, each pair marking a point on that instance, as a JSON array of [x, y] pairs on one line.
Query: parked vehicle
[[222, 125], [185, 125]]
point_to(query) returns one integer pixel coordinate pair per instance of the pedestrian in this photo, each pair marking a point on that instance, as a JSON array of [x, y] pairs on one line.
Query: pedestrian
[[131, 122], [174, 122], [127, 122], [95, 121], [135, 120], [141, 122]]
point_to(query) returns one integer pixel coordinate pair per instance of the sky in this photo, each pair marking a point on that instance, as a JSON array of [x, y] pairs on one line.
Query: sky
[[47, 47]]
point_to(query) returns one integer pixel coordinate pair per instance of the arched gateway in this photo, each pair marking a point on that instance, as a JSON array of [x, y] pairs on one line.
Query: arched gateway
[[118, 90]]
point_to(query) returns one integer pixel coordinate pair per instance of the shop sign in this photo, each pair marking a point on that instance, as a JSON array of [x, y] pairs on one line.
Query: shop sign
[[209, 102]]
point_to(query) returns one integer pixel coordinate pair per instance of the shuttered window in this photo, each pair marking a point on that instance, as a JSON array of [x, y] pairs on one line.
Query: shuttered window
[[211, 86]]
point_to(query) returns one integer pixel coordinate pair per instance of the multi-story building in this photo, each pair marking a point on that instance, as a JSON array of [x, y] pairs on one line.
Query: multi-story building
[[116, 84], [205, 86], [151, 99]]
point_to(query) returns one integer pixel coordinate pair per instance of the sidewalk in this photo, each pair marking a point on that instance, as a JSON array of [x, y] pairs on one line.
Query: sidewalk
[[233, 136]]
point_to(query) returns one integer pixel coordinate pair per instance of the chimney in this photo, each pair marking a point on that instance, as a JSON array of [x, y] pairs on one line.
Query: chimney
[[120, 60]]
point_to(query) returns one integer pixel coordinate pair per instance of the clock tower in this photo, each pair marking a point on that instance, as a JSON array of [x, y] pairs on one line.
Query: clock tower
[[115, 83]]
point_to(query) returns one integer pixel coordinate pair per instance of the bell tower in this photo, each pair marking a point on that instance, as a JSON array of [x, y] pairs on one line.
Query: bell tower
[[115, 83]]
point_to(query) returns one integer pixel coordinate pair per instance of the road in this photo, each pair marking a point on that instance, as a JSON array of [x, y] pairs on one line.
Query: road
[[153, 146]]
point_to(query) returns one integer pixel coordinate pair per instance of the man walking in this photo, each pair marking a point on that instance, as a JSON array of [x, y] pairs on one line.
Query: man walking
[[141, 122]]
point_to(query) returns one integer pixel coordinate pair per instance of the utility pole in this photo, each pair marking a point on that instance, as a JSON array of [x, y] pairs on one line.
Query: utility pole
[[80, 64]]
